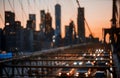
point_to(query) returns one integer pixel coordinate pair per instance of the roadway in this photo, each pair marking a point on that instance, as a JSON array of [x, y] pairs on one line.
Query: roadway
[[49, 63]]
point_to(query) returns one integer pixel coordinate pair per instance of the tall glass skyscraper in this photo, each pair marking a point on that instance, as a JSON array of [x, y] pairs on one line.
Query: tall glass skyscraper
[[57, 24], [58, 19]]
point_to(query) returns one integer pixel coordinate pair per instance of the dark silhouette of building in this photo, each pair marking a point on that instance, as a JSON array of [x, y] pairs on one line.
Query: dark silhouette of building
[[49, 31], [0, 39], [81, 24], [29, 24], [12, 32], [19, 35], [29, 36], [9, 18], [48, 22], [37, 41], [42, 25], [69, 33], [32, 22], [57, 24], [28, 39], [46, 31]]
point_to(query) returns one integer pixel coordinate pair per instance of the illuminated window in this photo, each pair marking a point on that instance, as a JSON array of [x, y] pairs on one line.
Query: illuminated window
[[7, 23]]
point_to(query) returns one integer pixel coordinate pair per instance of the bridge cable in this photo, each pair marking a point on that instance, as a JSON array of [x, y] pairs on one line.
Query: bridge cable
[[23, 11], [28, 6], [119, 11], [34, 5], [1, 19], [14, 9], [11, 6], [4, 5], [22, 8]]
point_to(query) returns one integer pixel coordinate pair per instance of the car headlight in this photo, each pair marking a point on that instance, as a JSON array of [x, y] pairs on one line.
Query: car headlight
[[68, 74], [60, 74], [77, 74], [86, 74]]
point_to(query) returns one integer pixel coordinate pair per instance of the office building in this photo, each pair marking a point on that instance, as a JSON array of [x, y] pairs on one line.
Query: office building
[[57, 24], [13, 37], [32, 18], [49, 31], [81, 24], [9, 18], [28, 40], [58, 19], [42, 16]]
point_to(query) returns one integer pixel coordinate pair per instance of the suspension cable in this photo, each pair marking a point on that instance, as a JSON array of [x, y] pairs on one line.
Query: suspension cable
[[3, 12], [22, 8], [4, 5], [11, 6], [22, 11], [14, 9], [1, 18], [34, 5], [118, 13], [35, 2], [28, 5]]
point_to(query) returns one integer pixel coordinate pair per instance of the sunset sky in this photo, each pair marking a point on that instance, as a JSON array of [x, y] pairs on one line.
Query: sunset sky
[[98, 13]]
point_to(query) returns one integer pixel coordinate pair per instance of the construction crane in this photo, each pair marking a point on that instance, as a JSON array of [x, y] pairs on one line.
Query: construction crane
[[91, 34]]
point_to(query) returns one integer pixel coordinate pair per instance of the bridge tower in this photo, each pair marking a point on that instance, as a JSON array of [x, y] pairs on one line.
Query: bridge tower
[[114, 31]]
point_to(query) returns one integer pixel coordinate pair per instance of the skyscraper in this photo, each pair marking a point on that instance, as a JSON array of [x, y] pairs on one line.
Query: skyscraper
[[57, 24], [58, 19], [12, 33], [49, 31], [42, 25], [67, 35], [48, 22], [32, 18], [9, 18], [81, 24]]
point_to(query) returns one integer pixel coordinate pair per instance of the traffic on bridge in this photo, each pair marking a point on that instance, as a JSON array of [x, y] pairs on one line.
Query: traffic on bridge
[[76, 61]]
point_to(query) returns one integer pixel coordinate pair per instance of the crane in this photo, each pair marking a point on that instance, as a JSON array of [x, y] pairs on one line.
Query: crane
[[91, 34]]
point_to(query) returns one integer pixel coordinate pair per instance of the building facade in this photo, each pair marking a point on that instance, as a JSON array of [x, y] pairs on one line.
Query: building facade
[[81, 24], [57, 24], [49, 31], [12, 32], [32, 20], [9, 18], [42, 16]]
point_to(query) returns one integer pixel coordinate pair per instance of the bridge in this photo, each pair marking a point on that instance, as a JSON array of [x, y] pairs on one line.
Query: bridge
[[47, 63]]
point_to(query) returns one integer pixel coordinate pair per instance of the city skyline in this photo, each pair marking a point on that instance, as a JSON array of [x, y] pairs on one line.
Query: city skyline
[[97, 16]]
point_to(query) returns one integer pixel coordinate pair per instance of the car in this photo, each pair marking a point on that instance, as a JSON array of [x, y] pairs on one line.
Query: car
[[99, 74], [78, 63], [88, 63], [66, 72], [101, 63], [82, 72]]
